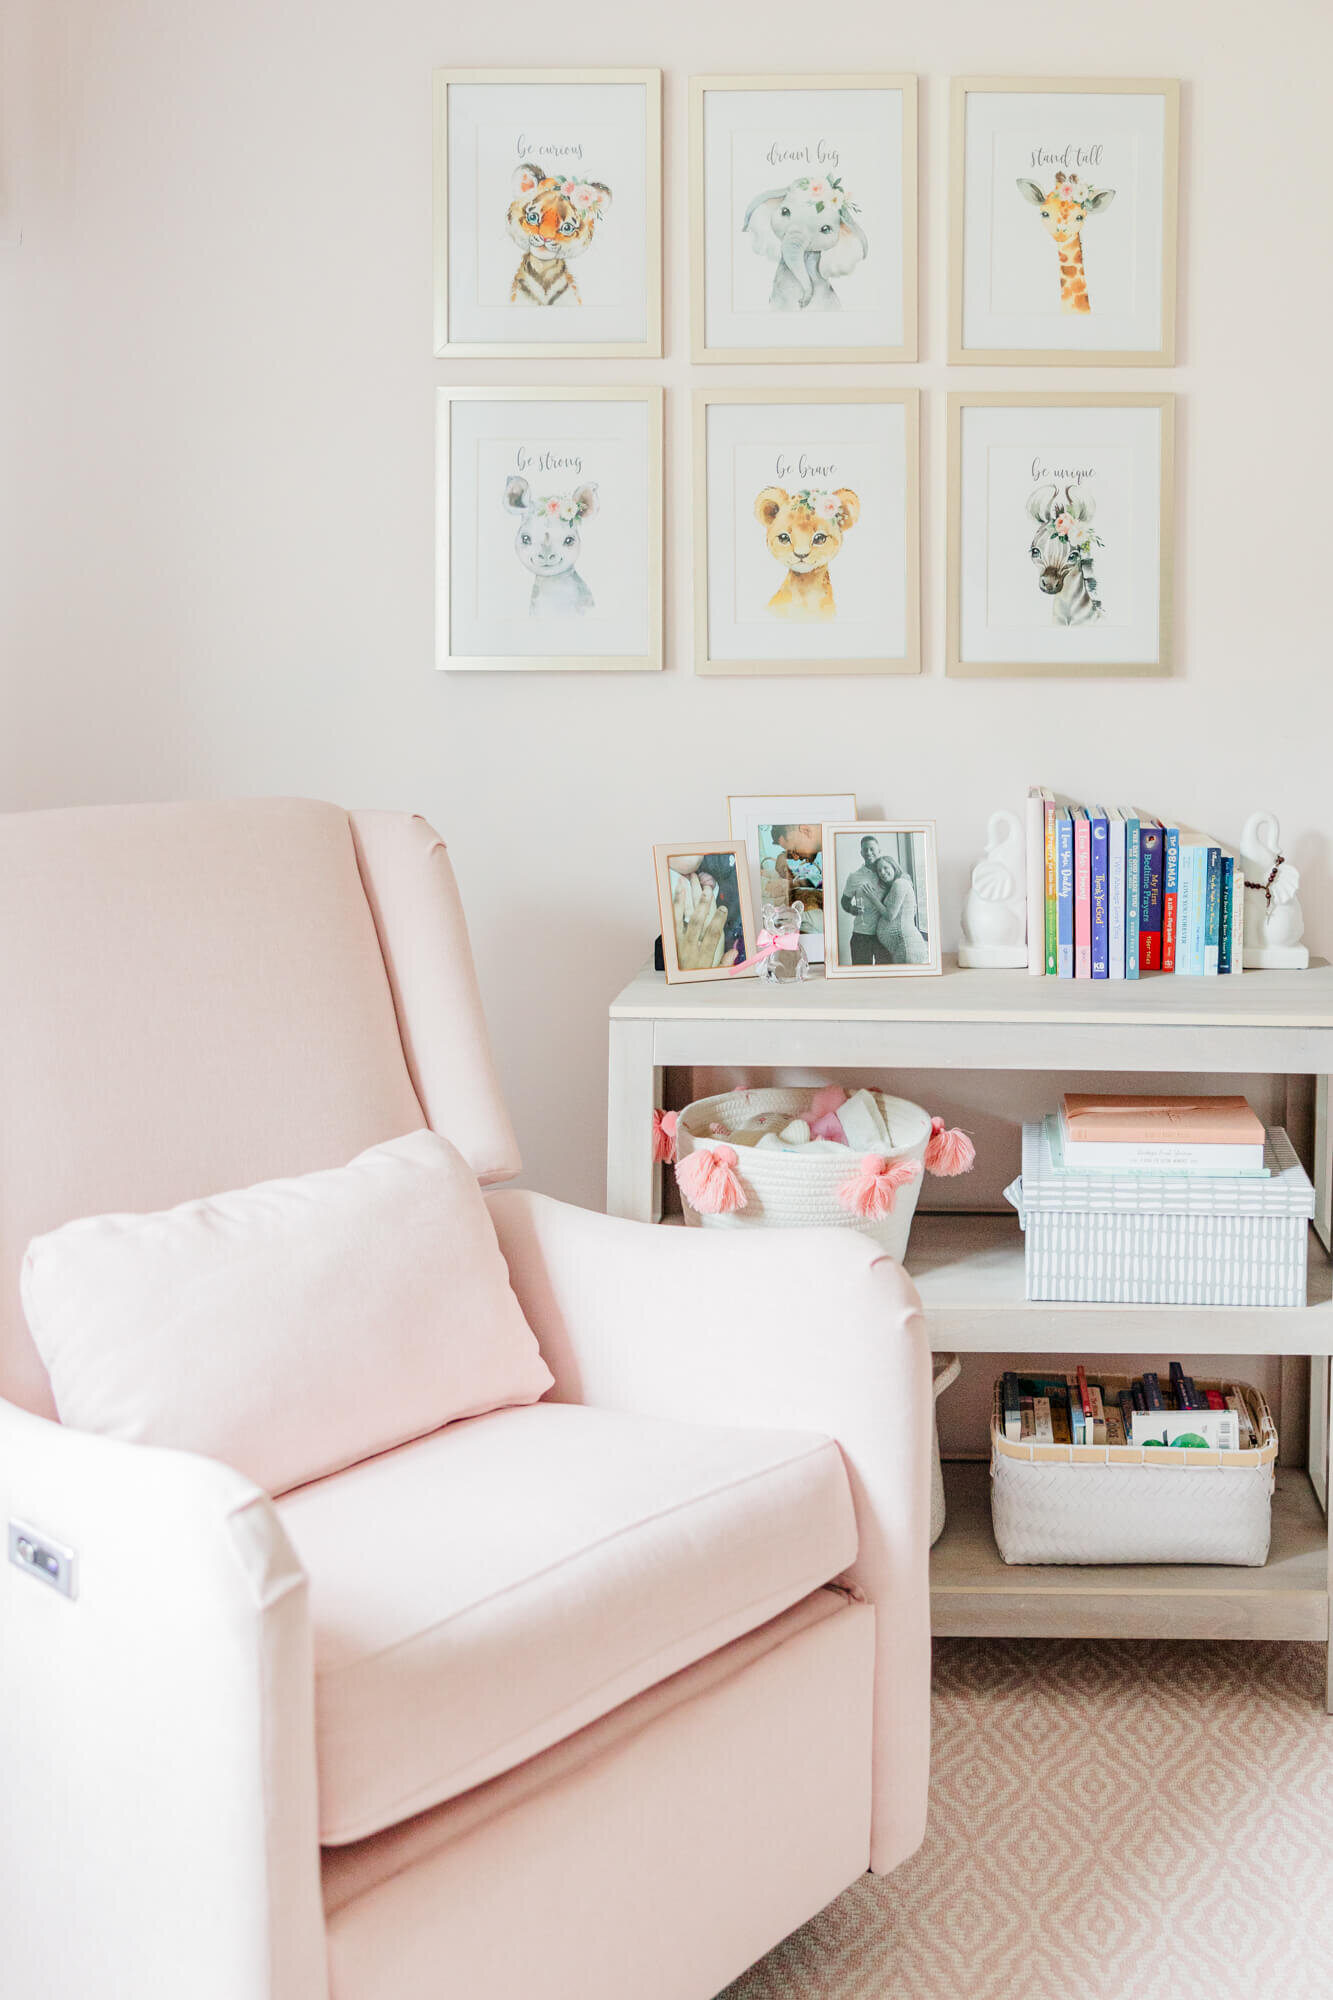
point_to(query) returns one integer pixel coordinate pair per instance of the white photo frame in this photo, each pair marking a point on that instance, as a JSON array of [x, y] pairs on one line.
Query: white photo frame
[[783, 836], [548, 213], [839, 153], [1063, 206], [579, 472], [715, 876], [1060, 533], [851, 455], [882, 899]]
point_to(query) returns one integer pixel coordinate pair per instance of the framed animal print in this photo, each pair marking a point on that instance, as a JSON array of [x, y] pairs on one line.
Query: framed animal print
[[803, 218], [806, 531], [548, 212], [881, 899], [1060, 533], [549, 529], [1063, 218]]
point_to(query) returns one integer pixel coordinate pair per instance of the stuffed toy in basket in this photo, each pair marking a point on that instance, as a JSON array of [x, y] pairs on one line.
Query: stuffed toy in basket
[[808, 1159]]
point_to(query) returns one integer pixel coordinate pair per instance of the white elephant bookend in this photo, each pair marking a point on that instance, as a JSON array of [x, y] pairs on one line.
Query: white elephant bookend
[[810, 231], [1274, 923], [995, 918]]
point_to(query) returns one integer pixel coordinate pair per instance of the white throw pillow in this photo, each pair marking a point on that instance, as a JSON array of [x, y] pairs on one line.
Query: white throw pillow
[[290, 1328]]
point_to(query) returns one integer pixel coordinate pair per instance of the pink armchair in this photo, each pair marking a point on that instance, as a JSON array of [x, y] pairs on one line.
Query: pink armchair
[[597, 1697]]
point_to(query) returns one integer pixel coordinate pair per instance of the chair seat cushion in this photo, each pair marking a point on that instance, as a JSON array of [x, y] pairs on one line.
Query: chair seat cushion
[[480, 1594]]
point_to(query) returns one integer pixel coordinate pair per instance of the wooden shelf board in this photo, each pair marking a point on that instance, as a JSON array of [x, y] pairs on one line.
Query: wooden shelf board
[[1255, 999], [975, 1594], [969, 1272]]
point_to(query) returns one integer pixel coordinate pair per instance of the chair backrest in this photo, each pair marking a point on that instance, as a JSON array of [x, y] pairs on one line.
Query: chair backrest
[[198, 997]]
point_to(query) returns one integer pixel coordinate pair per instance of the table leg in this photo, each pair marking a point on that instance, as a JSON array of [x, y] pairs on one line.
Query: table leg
[[1321, 1363], [634, 1091]]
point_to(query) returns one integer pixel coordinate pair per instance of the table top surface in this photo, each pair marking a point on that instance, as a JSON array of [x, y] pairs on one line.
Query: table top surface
[[1246, 1000]]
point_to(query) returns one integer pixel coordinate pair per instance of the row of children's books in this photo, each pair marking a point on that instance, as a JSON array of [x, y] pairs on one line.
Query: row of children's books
[[1114, 892], [1070, 1409]]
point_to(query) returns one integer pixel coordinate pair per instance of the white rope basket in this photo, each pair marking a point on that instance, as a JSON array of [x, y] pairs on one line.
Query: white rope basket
[[798, 1187]]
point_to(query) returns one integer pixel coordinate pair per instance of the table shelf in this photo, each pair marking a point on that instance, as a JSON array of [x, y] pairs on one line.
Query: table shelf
[[969, 1272], [974, 1594]]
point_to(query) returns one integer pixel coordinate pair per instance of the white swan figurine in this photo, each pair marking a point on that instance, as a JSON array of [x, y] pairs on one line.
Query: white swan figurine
[[994, 921], [1274, 922]]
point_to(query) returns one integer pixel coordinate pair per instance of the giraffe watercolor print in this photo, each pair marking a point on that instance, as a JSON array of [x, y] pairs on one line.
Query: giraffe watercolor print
[[1064, 209]]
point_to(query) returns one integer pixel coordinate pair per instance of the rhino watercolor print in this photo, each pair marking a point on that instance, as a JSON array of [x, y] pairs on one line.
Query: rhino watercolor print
[[548, 542], [809, 229]]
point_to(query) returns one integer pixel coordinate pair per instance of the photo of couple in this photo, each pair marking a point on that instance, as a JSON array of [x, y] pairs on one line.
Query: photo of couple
[[881, 900]]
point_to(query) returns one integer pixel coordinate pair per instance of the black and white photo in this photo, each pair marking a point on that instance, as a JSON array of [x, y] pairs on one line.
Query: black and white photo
[[881, 901]]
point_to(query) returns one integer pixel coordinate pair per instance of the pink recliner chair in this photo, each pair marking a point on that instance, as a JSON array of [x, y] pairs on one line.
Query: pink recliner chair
[[595, 1698]]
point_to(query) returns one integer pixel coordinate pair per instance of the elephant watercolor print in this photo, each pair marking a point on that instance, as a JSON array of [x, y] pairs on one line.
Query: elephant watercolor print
[[806, 531], [550, 529], [548, 213], [804, 219]]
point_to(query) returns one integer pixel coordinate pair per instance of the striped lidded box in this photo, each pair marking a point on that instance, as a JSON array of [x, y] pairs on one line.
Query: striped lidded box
[[1121, 1239]]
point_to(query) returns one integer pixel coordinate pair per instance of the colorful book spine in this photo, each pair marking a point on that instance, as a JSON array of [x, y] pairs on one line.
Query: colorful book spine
[[1199, 911], [1238, 917], [1228, 895], [1043, 1429], [1150, 895], [1012, 1406], [1100, 891], [1115, 955], [1126, 1402], [1132, 884], [1152, 1391], [1184, 909], [1212, 939], [1170, 894], [1098, 1425], [1051, 938], [1064, 893], [1082, 894], [1076, 1431]]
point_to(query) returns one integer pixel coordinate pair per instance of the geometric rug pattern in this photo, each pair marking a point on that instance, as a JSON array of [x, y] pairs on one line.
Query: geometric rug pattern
[[1109, 1820]]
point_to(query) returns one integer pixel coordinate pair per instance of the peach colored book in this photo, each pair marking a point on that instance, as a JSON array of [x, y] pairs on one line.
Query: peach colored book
[[1160, 1121]]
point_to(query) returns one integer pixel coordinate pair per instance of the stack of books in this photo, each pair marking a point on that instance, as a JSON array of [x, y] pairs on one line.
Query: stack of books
[[1114, 892], [1204, 1137], [1071, 1409]]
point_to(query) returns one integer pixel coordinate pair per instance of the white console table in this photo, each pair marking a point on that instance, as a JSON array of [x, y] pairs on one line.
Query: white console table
[[969, 1267]]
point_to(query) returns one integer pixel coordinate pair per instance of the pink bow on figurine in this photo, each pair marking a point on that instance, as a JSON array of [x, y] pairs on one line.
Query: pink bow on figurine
[[768, 943]]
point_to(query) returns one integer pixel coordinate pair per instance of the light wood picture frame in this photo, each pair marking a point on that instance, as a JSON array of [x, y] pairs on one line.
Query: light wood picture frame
[[778, 163], [881, 899], [1021, 293], [826, 466], [783, 835], [703, 900], [1066, 501], [577, 272], [549, 530]]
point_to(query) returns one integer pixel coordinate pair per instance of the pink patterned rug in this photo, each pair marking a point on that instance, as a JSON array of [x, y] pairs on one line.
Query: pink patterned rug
[[1132, 1820]]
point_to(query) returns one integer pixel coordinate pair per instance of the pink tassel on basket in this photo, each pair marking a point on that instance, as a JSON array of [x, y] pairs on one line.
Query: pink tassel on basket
[[664, 1135], [873, 1189], [948, 1153], [709, 1182]]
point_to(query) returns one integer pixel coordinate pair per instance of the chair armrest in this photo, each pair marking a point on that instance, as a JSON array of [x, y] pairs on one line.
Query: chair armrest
[[817, 1329], [159, 1833]]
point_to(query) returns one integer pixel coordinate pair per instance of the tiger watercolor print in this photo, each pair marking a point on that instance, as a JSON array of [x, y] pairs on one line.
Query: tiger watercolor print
[[552, 220]]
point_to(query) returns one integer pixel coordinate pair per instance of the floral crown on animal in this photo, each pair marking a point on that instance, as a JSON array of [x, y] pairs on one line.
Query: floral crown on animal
[[818, 501], [582, 195], [827, 191], [559, 506]]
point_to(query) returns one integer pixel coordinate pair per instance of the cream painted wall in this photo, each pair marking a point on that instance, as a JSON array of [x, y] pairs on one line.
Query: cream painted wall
[[216, 505]]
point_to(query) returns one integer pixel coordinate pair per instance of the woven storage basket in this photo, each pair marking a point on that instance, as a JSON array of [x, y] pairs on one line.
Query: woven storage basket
[[796, 1188], [1117, 1239], [1061, 1503]]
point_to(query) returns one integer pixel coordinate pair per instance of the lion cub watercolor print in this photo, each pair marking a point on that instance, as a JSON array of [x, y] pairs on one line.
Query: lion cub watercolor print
[[805, 531], [552, 219]]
